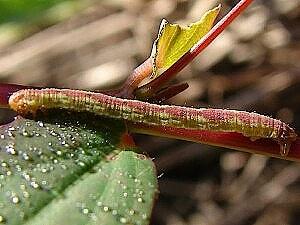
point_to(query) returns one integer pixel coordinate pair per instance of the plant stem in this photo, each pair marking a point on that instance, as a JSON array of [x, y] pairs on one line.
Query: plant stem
[[138, 75], [150, 88], [236, 141], [169, 92], [6, 90]]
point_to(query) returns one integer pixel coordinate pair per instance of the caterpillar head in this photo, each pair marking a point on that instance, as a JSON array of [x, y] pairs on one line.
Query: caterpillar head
[[24, 102]]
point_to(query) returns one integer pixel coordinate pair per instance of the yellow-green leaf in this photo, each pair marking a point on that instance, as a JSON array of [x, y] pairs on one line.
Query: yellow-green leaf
[[174, 41]]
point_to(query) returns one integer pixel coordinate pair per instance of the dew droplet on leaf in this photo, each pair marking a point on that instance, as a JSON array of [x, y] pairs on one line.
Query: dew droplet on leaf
[[131, 212], [2, 219], [123, 220], [114, 212], [15, 200], [85, 211], [26, 194]]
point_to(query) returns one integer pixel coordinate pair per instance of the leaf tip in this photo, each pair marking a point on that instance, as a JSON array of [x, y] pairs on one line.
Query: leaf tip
[[173, 40]]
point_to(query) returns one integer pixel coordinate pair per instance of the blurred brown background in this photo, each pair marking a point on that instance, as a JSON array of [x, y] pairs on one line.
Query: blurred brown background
[[253, 66]]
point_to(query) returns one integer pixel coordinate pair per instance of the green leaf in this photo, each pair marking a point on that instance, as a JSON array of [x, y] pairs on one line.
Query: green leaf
[[174, 41], [68, 169]]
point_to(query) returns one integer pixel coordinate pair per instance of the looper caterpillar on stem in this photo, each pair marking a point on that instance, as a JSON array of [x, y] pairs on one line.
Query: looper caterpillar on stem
[[251, 125]]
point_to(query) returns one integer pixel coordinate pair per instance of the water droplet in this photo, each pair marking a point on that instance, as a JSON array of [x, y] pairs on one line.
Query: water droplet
[[114, 212], [125, 194], [26, 176], [105, 209], [63, 143], [82, 164], [123, 220], [44, 170], [15, 200], [85, 211], [25, 156], [99, 203], [284, 149], [10, 149], [140, 200], [18, 168], [144, 216], [25, 133], [40, 123], [34, 184], [9, 133], [137, 180], [26, 194], [131, 212], [8, 173], [2, 220]]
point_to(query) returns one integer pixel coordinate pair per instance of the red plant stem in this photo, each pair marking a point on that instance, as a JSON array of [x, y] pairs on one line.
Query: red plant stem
[[169, 92], [154, 85], [236, 141], [6, 90], [138, 75]]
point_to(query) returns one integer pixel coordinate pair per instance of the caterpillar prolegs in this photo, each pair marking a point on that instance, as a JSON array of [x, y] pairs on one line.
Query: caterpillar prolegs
[[251, 125]]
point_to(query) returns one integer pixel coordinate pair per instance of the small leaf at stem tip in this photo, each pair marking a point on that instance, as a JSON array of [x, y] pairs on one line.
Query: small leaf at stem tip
[[173, 40]]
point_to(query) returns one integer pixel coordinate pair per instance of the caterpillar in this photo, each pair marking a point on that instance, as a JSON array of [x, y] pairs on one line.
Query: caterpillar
[[252, 125]]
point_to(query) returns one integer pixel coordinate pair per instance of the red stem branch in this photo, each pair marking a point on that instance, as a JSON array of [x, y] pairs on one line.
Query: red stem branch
[[6, 90], [236, 141], [134, 79]]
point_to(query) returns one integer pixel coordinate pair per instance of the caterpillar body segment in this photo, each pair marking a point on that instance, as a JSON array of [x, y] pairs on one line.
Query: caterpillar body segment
[[252, 125]]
